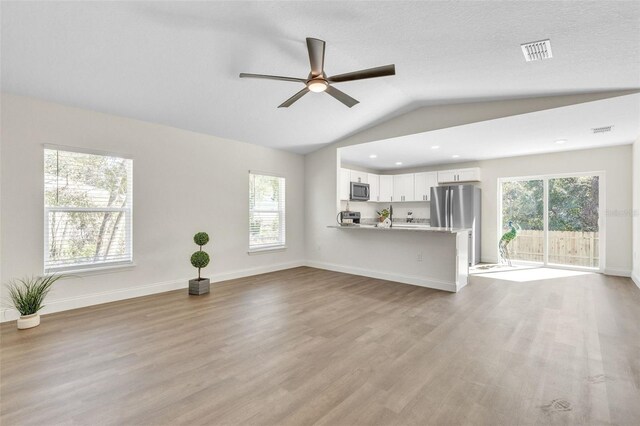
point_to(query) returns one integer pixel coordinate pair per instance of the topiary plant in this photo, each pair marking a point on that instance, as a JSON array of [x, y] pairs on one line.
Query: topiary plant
[[200, 259]]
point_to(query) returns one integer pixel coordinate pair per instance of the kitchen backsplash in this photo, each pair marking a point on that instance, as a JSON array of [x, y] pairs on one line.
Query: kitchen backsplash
[[420, 210], [373, 221]]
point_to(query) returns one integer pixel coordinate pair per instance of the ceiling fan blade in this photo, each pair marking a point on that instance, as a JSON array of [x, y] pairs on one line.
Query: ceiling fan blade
[[382, 71], [316, 55], [291, 100], [272, 77], [341, 96]]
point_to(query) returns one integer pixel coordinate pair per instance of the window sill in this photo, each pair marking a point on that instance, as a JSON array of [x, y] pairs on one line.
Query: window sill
[[87, 271], [266, 250]]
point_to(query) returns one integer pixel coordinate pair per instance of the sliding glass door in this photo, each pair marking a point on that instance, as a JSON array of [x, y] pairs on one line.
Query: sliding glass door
[[552, 220], [574, 215], [523, 214]]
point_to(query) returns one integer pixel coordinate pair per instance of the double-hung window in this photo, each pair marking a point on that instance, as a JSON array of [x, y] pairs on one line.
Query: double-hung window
[[87, 210], [266, 212]]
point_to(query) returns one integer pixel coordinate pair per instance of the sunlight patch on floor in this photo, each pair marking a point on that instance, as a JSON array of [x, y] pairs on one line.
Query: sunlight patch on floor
[[525, 273]]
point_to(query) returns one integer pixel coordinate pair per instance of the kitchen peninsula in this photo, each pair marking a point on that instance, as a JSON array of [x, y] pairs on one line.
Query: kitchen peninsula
[[426, 256]]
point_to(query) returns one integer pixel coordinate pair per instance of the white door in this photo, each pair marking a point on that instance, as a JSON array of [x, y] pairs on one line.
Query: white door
[[345, 183], [421, 186], [447, 176], [432, 180], [403, 187], [374, 187], [468, 175], [409, 184], [386, 188]]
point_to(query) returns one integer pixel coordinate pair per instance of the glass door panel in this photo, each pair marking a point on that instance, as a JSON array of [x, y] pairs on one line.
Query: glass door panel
[[573, 210], [523, 219]]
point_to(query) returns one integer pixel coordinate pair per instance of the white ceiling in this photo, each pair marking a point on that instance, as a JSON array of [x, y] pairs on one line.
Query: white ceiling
[[532, 133], [177, 63]]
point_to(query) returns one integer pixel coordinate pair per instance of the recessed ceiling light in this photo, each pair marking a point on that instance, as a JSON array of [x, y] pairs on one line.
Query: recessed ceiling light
[[561, 141], [398, 163], [455, 156], [373, 156], [435, 147]]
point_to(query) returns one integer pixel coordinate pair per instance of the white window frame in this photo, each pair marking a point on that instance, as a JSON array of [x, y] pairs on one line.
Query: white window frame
[[602, 219], [97, 266], [281, 213]]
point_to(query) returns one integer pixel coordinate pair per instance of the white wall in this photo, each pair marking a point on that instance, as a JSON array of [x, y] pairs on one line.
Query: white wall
[[184, 182], [615, 162], [636, 212]]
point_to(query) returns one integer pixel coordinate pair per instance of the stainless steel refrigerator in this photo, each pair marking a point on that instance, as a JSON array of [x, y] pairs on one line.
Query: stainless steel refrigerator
[[459, 206]]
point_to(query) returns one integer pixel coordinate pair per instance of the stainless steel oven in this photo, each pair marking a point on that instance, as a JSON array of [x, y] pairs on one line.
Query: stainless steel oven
[[359, 191]]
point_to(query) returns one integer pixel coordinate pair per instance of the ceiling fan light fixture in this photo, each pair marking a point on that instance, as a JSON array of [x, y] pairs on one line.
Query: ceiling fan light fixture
[[317, 81], [317, 85]]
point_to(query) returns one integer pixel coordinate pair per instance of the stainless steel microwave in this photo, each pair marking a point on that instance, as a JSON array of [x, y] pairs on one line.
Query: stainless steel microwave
[[359, 191]]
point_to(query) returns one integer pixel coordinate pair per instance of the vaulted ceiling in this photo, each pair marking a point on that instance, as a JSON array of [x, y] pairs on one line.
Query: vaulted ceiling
[[177, 63]]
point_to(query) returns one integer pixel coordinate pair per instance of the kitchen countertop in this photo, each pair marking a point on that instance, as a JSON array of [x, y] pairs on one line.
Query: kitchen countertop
[[403, 228]]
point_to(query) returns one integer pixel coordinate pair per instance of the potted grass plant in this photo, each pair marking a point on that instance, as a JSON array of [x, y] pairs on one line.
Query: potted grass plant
[[382, 215], [27, 296], [199, 260]]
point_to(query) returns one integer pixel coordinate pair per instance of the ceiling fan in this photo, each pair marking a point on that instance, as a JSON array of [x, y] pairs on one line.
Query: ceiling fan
[[317, 81]]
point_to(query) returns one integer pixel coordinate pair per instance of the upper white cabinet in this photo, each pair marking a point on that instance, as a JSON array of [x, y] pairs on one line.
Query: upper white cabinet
[[345, 184], [386, 188], [422, 185], [403, 187], [469, 175], [374, 187], [459, 175], [360, 177]]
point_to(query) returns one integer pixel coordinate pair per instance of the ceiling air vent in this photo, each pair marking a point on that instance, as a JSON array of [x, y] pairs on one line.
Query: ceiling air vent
[[537, 50], [604, 129]]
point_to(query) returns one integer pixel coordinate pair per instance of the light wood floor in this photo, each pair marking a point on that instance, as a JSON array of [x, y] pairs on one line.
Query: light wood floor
[[306, 346]]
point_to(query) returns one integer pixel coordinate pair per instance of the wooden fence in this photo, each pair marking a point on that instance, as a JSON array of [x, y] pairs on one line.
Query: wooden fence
[[565, 247]]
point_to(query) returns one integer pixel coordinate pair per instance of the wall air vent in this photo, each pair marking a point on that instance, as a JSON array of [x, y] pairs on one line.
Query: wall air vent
[[604, 129], [537, 50]]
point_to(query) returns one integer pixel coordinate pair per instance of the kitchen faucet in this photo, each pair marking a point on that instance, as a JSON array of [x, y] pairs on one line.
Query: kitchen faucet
[[391, 215]]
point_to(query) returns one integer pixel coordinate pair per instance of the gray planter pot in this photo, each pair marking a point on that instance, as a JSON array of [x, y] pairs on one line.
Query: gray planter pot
[[199, 286]]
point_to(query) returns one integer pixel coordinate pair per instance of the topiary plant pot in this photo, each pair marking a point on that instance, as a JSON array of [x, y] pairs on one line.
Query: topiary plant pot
[[199, 286], [28, 321]]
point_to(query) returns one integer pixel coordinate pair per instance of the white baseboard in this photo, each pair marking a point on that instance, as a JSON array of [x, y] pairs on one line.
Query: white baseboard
[[143, 290], [406, 279], [241, 273], [617, 272], [636, 278]]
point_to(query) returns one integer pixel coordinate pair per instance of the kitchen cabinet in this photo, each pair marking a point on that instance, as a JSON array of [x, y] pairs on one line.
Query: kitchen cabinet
[[345, 184], [360, 177], [469, 175], [374, 187], [403, 187], [386, 188], [422, 185], [459, 175]]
